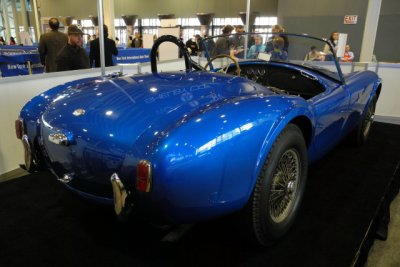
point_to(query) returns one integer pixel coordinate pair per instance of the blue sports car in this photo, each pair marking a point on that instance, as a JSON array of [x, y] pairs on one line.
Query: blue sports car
[[233, 135]]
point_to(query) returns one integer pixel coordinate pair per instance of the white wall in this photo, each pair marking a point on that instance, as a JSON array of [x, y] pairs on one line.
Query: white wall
[[16, 91]]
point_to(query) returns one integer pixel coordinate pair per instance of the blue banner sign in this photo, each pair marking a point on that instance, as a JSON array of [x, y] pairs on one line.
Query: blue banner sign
[[14, 65], [132, 55]]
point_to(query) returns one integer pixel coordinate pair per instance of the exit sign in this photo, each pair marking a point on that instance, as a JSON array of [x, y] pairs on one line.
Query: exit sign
[[350, 19]]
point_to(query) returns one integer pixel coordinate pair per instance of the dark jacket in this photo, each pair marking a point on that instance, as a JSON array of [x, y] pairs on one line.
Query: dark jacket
[[137, 43], [193, 47], [49, 45], [72, 58], [222, 46], [110, 49]]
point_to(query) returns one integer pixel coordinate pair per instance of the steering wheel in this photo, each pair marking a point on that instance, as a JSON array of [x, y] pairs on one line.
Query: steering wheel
[[225, 68], [172, 39]]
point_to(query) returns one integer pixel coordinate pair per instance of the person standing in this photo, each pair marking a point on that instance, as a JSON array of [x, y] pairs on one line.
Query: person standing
[[72, 56], [223, 44], [277, 30], [50, 44], [110, 49], [192, 47], [129, 44], [137, 41], [348, 55], [238, 41], [12, 41], [333, 41], [257, 48], [88, 40]]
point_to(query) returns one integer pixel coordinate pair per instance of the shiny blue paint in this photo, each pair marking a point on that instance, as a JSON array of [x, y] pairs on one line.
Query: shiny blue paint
[[207, 135]]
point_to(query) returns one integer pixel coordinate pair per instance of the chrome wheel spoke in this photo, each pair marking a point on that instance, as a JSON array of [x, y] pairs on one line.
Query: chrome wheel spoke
[[284, 186]]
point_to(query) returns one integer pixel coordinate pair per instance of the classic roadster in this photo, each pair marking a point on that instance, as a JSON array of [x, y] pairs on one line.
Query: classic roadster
[[234, 136]]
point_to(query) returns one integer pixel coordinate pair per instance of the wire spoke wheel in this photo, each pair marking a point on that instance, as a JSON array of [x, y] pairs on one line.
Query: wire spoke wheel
[[369, 119], [284, 186], [279, 189]]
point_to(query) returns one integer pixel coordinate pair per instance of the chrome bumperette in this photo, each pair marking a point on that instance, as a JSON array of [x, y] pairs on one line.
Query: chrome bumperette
[[28, 153], [58, 138], [122, 203]]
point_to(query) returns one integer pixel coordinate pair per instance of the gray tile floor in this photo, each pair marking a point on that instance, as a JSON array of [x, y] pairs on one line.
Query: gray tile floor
[[382, 254]]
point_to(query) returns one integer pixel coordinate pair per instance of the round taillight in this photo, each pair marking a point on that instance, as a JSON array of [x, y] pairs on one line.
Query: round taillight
[[19, 128], [143, 176]]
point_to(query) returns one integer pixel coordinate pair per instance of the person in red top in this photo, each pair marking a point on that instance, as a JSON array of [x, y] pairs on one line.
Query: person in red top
[[12, 41], [348, 55]]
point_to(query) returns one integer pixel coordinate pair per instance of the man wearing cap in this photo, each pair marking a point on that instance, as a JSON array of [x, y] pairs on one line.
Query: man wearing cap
[[50, 44], [73, 56]]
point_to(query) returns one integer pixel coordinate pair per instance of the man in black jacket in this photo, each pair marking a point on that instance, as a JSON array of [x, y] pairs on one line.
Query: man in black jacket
[[110, 49], [50, 44], [73, 56]]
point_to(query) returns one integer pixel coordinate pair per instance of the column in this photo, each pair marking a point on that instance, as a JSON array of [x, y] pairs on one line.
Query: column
[[109, 17], [6, 21], [24, 16], [16, 22], [37, 23], [370, 29]]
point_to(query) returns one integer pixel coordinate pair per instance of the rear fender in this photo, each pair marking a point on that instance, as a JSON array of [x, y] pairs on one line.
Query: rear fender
[[213, 158]]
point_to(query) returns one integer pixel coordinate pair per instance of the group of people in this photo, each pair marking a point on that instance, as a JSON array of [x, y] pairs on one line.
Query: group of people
[[276, 46], [3, 42], [135, 42], [61, 52], [326, 55]]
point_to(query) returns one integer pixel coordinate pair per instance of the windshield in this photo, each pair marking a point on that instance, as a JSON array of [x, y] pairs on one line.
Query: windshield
[[296, 49]]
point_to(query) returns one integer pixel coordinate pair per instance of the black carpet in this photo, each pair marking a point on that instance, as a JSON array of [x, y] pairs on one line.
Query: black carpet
[[347, 195]]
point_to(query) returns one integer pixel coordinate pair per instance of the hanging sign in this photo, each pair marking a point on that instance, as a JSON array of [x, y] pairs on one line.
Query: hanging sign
[[350, 19]]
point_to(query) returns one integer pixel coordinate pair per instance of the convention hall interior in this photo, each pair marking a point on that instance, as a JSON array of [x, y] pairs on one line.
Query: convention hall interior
[[199, 133]]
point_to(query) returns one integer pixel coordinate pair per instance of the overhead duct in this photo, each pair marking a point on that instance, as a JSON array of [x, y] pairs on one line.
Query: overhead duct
[[130, 21], [66, 21], [253, 15], [95, 20], [167, 20], [165, 16], [205, 21]]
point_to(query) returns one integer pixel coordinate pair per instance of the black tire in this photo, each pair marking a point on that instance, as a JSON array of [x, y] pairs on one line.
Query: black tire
[[363, 128], [275, 201]]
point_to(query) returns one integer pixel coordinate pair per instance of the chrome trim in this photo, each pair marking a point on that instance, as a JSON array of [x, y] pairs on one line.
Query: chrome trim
[[122, 206], [28, 156], [66, 178], [79, 112], [149, 174], [58, 139]]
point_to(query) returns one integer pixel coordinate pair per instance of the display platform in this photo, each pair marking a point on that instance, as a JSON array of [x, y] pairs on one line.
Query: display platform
[[346, 202]]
